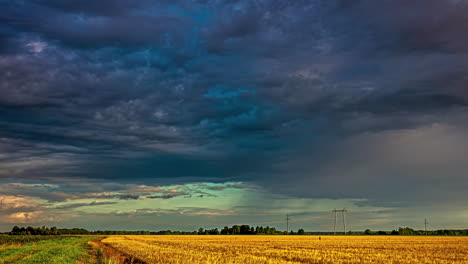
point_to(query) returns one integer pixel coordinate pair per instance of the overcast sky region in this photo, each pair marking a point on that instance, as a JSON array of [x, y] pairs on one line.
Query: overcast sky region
[[152, 115]]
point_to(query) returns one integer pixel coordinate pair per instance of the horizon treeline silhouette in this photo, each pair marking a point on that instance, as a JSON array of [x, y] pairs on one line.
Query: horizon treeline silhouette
[[234, 230]]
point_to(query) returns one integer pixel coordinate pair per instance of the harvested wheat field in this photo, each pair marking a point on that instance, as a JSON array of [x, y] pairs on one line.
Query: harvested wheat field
[[293, 249]]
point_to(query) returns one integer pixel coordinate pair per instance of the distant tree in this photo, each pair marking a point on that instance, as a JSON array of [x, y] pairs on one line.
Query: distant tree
[[236, 230], [272, 231], [225, 231], [200, 231], [16, 230], [445, 232], [381, 233], [213, 231], [244, 229], [30, 230], [406, 231], [257, 230], [301, 232], [367, 232]]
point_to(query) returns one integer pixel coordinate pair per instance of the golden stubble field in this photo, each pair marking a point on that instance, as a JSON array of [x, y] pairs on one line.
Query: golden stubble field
[[293, 249]]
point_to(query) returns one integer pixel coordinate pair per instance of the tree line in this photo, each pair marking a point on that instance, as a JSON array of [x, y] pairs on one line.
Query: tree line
[[247, 230], [43, 230], [233, 230], [407, 231]]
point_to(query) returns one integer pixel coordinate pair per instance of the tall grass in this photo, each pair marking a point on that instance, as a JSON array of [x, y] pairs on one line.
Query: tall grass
[[21, 239]]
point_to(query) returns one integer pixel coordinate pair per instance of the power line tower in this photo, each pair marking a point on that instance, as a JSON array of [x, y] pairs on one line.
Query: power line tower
[[425, 226], [334, 225], [343, 214], [287, 224]]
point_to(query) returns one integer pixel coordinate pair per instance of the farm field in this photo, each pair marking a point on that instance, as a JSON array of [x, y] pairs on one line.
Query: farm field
[[292, 249], [43, 249]]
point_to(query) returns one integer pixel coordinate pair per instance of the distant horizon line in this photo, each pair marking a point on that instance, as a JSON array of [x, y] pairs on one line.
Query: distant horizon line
[[254, 227]]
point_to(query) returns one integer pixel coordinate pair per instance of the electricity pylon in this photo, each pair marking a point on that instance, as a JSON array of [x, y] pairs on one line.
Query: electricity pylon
[[343, 214]]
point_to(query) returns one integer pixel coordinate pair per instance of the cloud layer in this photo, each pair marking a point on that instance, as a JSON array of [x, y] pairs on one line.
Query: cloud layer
[[307, 99]]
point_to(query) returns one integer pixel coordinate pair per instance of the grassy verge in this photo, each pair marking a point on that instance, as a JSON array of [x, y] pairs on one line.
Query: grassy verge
[[52, 251]]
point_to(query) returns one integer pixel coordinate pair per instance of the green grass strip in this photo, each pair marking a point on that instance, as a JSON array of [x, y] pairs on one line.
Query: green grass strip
[[52, 251]]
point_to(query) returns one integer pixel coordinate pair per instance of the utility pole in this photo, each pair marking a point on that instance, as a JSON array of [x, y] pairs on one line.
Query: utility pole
[[287, 224], [334, 226], [425, 226], [344, 221], [343, 214]]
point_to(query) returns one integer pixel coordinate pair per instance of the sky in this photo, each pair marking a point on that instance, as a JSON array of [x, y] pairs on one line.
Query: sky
[[152, 115]]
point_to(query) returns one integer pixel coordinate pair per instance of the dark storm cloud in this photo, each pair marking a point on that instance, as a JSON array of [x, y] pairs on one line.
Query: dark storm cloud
[[417, 26], [169, 196], [77, 205], [176, 91], [91, 25], [108, 7]]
